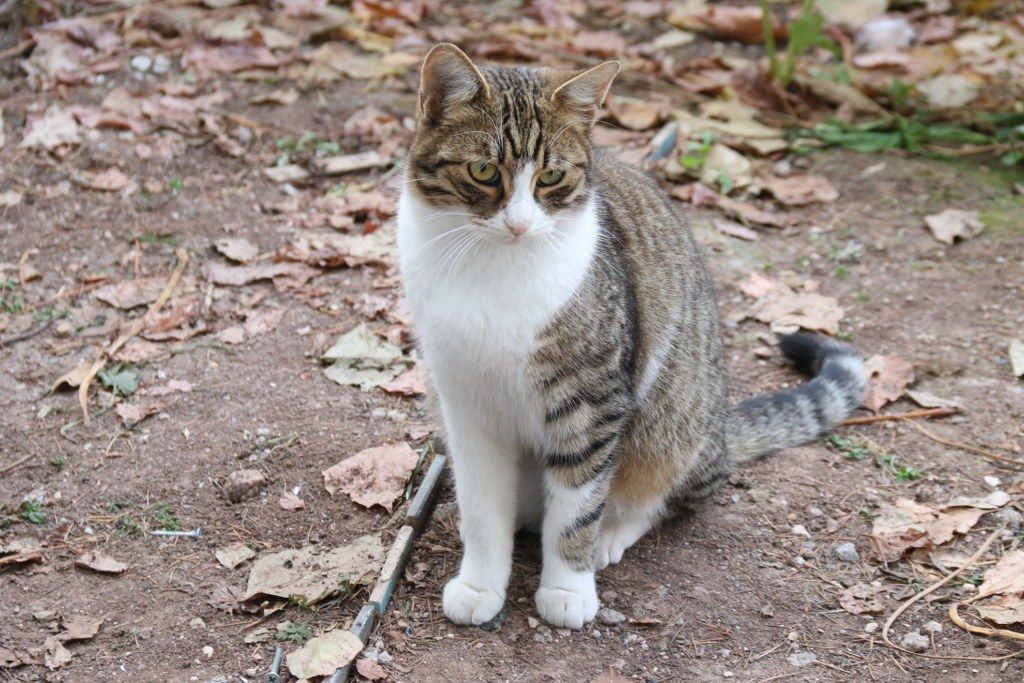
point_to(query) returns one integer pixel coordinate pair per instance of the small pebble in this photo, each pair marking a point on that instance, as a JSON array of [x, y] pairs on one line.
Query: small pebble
[[915, 642], [532, 623], [802, 658], [727, 674], [815, 512], [564, 632], [161, 64], [197, 624], [596, 634], [847, 552], [610, 617], [384, 657], [793, 636], [608, 596], [932, 628], [141, 63], [870, 627], [208, 650], [994, 482], [799, 530]]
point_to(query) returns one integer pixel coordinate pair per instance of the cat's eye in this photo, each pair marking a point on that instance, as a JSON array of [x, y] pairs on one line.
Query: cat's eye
[[484, 172], [552, 176]]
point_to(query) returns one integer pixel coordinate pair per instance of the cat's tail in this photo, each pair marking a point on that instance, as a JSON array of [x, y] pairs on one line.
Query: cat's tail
[[791, 417]]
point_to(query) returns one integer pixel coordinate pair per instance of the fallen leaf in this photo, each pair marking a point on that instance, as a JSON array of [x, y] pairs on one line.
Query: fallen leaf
[[289, 501], [207, 59], [172, 386], [953, 223], [230, 556], [726, 168], [137, 411], [232, 335], [370, 670], [1016, 356], [888, 378], [949, 91], [992, 501], [409, 383], [929, 400], [325, 654], [332, 250], [314, 573], [349, 163], [726, 21], [701, 195], [261, 322], [74, 377], [56, 127], [237, 249], [286, 173], [757, 285], [285, 275], [376, 476], [285, 97], [229, 599], [862, 598], [634, 113], [787, 311], [131, 293], [799, 190], [735, 230], [852, 14], [906, 524], [137, 350], [110, 180], [363, 359], [1006, 609], [55, 655], [600, 43], [78, 627], [100, 563]]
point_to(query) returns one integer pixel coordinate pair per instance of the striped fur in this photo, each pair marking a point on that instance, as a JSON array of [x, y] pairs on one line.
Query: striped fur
[[578, 366]]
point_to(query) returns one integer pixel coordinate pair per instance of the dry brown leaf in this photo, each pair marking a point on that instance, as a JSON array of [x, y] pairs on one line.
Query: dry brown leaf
[[950, 224], [635, 113], [74, 377], [100, 563], [735, 230], [888, 378], [1006, 581], [261, 322], [313, 573], [325, 654], [331, 250], [862, 598], [137, 411], [230, 556], [232, 335], [371, 670], [376, 476], [237, 249], [929, 400], [207, 60], [600, 43], [54, 128], [734, 23], [172, 386], [110, 180], [757, 285], [701, 195], [289, 501], [55, 655], [78, 627], [787, 311], [906, 524], [409, 383], [132, 293], [285, 275], [799, 190]]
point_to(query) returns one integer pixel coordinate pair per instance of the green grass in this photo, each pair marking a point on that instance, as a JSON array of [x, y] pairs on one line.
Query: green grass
[[162, 514], [10, 299], [853, 448], [58, 462], [289, 631]]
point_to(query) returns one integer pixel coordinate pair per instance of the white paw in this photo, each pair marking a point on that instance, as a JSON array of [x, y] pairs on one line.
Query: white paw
[[565, 608], [465, 604], [611, 544]]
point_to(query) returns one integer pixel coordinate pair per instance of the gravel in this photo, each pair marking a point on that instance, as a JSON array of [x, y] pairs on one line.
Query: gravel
[[610, 617], [933, 628], [915, 642], [847, 552], [802, 658]]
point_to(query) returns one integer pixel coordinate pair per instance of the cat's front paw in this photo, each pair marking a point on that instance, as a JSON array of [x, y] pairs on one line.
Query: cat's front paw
[[465, 604], [567, 608]]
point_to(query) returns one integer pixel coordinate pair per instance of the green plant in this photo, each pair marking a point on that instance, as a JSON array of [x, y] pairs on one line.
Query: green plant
[[32, 511], [10, 300], [163, 515], [122, 379], [58, 462], [697, 152], [805, 33], [850, 448], [901, 473], [175, 185], [292, 632]]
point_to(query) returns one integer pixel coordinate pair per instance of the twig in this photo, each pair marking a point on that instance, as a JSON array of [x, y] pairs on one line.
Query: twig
[[27, 334], [954, 616], [931, 589], [137, 326], [14, 465], [910, 415], [967, 447], [251, 122]]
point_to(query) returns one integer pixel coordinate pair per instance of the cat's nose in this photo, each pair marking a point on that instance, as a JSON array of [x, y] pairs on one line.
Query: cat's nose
[[517, 227]]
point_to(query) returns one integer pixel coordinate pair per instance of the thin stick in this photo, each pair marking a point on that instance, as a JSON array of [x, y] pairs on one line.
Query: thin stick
[[967, 447], [910, 415], [14, 466], [931, 589], [955, 617], [137, 326]]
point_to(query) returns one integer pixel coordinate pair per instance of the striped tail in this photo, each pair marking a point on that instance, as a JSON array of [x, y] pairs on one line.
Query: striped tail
[[791, 417]]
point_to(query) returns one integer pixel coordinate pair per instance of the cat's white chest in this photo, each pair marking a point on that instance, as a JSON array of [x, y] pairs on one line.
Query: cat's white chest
[[478, 314]]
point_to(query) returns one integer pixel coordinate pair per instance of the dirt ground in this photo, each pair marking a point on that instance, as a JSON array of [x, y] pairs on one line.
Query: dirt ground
[[727, 592]]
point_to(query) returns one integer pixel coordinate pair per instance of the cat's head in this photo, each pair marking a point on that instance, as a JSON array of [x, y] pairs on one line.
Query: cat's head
[[508, 146]]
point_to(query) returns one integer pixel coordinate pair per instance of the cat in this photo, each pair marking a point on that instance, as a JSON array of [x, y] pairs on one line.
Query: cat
[[568, 325]]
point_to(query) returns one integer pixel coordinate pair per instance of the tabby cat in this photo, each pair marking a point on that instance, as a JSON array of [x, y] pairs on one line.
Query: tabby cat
[[568, 324]]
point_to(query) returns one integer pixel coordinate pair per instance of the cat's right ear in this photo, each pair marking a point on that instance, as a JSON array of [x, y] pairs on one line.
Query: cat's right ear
[[449, 79]]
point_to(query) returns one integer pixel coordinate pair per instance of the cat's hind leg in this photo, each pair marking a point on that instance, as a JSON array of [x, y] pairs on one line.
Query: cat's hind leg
[[623, 525]]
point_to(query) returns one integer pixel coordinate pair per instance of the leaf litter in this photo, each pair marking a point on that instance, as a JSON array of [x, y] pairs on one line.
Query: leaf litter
[[375, 476]]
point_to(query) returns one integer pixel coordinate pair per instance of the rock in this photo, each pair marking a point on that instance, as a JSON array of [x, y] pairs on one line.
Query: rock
[[932, 628], [799, 530], [802, 658], [208, 650], [243, 484], [564, 632], [543, 635], [595, 634], [815, 512], [994, 482], [532, 623], [141, 63], [847, 552], [1011, 518], [161, 64], [915, 642], [767, 611], [759, 495], [792, 636], [63, 329], [197, 624], [384, 657], [870, 627], [610, 617], [608, 596], [701, 593]]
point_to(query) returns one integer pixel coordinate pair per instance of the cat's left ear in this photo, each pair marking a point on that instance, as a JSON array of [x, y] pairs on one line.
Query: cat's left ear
[[585, 92], [449, 79]]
